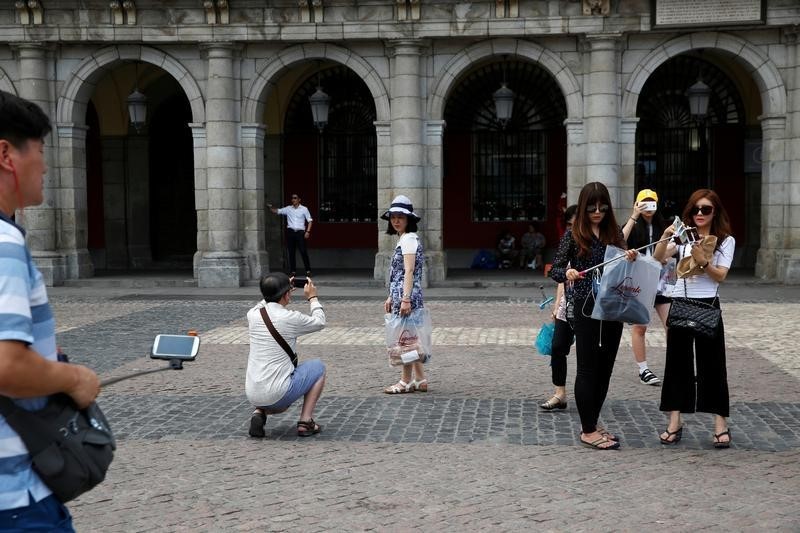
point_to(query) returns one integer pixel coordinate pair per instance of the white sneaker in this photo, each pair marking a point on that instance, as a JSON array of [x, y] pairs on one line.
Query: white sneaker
[[648, 378]]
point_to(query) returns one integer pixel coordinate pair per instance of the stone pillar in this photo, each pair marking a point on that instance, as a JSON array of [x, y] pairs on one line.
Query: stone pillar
[[222, 265], [627, 156], [383, 130], [602, 94], [576, 158], [434, 226], [200, 192], [774, 198], [137, 192], [40, 220], [408, 150], [253, 204], [71, 211]]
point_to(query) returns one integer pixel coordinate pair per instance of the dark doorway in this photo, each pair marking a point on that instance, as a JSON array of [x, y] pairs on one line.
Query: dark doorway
[[499, 178], [173, 218]]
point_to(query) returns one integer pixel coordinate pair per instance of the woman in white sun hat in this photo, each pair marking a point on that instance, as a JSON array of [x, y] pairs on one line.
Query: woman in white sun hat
[[405, 282]]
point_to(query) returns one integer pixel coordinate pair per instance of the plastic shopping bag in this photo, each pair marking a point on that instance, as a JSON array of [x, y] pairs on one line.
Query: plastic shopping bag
[[544, 339], [627, 289], [668, 277], [408, 338]]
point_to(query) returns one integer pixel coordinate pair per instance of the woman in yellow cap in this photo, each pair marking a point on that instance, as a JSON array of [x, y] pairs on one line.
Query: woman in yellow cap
[[643, 227]]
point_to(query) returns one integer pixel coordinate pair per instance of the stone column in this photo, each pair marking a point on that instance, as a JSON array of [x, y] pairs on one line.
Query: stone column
[[408, 149], [71, 211], [576, 158], [200, 193], [434, 235], [383, 130], [774, 199], [602, 93], [222, 265], [253, 204], [627, 155], [40, 220]]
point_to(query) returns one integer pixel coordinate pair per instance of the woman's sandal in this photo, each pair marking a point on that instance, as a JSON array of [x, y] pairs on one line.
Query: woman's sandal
[[306, 428], [401, 387], [673, 437], [419, 386], [556, 402], [607, 434], [598, 443], [719, 444]]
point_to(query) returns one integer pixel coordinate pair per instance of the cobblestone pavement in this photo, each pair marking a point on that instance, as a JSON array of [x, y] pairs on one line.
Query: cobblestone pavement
[[475, 452]]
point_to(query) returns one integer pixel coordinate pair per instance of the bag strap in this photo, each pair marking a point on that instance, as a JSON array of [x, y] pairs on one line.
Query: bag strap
[[277, 337], [34, 432]]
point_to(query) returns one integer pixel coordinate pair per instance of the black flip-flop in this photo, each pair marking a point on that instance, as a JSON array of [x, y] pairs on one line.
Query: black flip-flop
[[721, 444], [596, 444]]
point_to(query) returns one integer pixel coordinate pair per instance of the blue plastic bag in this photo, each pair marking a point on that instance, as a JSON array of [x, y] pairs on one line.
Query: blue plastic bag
[[544, 339]]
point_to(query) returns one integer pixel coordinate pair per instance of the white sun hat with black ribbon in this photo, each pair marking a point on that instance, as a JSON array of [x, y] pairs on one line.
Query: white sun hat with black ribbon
[[401, 204]]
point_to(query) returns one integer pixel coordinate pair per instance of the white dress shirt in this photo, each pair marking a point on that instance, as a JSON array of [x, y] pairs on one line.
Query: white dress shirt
[[296, 217], [268, 365]]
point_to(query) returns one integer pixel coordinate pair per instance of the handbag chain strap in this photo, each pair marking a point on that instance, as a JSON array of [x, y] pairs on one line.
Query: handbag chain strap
[[685, 295], [277, 336]]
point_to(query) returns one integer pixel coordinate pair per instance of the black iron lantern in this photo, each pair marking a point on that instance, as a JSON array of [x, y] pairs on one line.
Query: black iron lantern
[[699, 95], [319, 108]]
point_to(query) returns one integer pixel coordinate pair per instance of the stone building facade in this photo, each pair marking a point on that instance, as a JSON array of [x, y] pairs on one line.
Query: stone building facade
[[411, 83]]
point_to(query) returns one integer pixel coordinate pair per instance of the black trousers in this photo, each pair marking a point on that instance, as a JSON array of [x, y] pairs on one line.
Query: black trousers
[[596, 345], [706, 392], [562, 340], [296, 239]]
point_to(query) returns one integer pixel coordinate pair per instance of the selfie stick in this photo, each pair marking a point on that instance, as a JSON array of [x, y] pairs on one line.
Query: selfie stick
[[691, 240], [174, 364]]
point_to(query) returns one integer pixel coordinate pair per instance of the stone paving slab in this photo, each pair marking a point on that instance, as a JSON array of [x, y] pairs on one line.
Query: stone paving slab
[[475, 452]]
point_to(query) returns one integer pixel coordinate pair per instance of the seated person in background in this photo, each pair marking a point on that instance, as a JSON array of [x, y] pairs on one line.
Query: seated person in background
[[273, 382], [505, 250], [532, 245]]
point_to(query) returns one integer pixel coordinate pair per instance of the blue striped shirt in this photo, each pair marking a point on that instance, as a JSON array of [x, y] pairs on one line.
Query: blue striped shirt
[[25, 316]]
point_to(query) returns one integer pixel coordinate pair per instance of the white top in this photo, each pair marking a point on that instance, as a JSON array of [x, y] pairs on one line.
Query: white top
[[268, 365], [296, 217], [702, 286], [408, 243]]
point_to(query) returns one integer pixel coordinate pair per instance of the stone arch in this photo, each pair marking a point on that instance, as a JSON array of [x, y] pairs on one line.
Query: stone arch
[[254, 102], [759, 65], [5, 83], [81, 85], [551, 62]]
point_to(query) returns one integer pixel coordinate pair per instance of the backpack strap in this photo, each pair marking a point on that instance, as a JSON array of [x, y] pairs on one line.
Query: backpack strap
[[277, 336]]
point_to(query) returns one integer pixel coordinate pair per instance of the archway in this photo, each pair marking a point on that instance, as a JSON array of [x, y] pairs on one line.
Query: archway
[[498, 177]]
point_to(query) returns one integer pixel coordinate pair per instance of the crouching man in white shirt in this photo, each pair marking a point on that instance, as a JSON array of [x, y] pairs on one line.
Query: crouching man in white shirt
[[273, 382]]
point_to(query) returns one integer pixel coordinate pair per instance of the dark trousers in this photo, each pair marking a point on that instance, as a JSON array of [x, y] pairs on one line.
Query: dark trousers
[[562, 340], [596, 344], [296, 239], [708, 391]]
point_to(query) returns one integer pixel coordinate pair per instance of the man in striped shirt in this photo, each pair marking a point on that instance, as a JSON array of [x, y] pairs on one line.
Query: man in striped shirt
[[29, 369]]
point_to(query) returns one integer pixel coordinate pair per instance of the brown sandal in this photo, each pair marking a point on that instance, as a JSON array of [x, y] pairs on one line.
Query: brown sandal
[[306, 428]]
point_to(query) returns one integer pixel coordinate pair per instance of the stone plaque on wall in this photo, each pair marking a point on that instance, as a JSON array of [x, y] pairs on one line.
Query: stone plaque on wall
[[707, 12]]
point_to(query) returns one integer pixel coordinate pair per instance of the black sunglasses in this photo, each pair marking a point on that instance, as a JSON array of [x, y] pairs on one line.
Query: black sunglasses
[[705, 209], [593, 208]]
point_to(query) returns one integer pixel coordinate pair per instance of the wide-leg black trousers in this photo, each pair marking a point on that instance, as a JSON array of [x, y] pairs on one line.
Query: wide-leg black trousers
[[707, 390]]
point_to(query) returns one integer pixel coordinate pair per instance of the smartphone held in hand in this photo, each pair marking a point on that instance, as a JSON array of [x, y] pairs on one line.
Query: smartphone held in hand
[[299, 282]]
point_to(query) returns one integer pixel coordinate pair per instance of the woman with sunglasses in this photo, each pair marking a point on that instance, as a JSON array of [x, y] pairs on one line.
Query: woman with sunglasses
[[596, 341], [708, 393]]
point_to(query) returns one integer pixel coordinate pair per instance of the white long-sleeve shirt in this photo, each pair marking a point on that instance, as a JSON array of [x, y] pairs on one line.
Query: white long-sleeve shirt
[[296, 217], [268, 365]]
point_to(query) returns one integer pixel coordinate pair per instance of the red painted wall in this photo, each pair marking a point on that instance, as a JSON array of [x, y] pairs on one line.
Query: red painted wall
[[729, 183]]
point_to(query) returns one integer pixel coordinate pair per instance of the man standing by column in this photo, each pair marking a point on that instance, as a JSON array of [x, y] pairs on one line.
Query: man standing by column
[[297, 215], [29, 370]]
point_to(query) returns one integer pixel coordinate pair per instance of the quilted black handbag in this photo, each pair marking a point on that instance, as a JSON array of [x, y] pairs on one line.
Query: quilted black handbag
[[698, 316]]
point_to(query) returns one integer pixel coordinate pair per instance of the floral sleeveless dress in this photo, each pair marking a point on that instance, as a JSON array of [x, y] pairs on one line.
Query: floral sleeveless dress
[[397, 275]]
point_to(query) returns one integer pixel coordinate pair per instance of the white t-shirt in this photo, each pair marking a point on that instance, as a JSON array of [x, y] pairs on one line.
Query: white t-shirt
[[408, 243], [296, 217], [702, 286]]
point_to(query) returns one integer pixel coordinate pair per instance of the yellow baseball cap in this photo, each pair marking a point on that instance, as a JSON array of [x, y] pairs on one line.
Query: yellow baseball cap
[[646, 193]]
